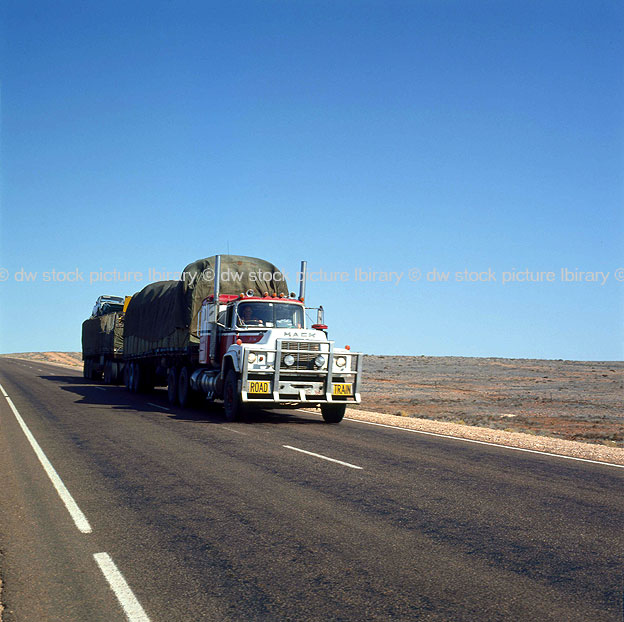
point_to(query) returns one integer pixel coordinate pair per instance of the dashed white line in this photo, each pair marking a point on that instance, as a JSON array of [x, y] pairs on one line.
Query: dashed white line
[[303, 451], [72, 507], [157, 406], [128, 601]]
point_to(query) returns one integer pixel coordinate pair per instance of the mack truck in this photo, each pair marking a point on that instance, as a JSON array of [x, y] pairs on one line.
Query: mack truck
[[229, 331]]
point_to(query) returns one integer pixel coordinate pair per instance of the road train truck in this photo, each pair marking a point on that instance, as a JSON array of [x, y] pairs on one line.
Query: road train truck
[[229, 330]]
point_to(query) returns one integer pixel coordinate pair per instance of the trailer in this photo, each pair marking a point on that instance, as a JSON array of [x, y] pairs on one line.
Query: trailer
[[103, 340]]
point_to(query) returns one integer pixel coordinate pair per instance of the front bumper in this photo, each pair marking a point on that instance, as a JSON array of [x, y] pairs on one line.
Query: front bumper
[[300, 386]]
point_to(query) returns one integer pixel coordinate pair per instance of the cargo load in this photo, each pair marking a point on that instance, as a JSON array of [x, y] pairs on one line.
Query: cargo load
[[163, 316], [103, 335], [226, 330]]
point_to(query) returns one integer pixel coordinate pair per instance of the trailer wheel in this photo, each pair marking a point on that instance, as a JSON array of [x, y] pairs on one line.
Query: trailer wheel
[[135, 377], [184, 387], [126, 375], [108, 372], [139, 378], [85, 368], [115, 372], [131, 377], [333, 413], [231, 398], [172, 385], [91, 374]]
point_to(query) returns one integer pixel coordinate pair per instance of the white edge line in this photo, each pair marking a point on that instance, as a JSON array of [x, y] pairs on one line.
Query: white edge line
[[128, 601], [157, 406], [72, 507], [471, 440], [303, 451]]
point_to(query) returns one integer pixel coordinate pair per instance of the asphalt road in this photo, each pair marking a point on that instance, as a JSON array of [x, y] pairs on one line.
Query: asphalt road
[[207, 520]]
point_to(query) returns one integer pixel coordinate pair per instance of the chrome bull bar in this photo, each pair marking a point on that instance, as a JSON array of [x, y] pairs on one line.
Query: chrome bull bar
[[304, 386]]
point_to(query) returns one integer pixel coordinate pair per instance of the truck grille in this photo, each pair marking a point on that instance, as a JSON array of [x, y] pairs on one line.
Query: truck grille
[[304, 352]]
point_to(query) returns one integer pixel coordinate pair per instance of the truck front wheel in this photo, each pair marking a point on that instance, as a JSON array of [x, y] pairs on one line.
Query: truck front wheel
[[333, 413], [231, 398]]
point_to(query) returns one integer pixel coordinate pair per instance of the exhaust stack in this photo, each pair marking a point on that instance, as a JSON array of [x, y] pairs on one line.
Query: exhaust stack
[[215, 310], [302, 279], [217, 277]]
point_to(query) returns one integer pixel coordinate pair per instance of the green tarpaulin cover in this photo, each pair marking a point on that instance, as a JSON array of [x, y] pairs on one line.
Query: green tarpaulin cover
[[103, 335], [164, 315]]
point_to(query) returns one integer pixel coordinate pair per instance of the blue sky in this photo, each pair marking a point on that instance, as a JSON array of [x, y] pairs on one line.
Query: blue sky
[[382, 136]]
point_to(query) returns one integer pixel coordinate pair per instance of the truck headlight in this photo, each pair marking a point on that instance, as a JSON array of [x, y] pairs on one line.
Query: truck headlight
[[252, 357], [341, 361], [289, 360], [319, 361]]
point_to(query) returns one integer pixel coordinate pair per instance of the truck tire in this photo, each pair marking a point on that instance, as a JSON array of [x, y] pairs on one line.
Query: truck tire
[[231, 398], [115, 375], [138, 378], [108, 372], [134, 377], [184, 387], [172, 385], [131, 377], [85, 369], [94, 374], [333, 413], [126, 375]]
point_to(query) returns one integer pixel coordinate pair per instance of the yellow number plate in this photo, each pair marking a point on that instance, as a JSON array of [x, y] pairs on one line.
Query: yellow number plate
[[342, 389], [258, 386]]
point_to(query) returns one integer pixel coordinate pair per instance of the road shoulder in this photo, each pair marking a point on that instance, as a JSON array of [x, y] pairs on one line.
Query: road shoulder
[[519, 440]]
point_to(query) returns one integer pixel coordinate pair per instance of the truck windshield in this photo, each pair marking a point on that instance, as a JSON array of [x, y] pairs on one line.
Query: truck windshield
[[269, 315]]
